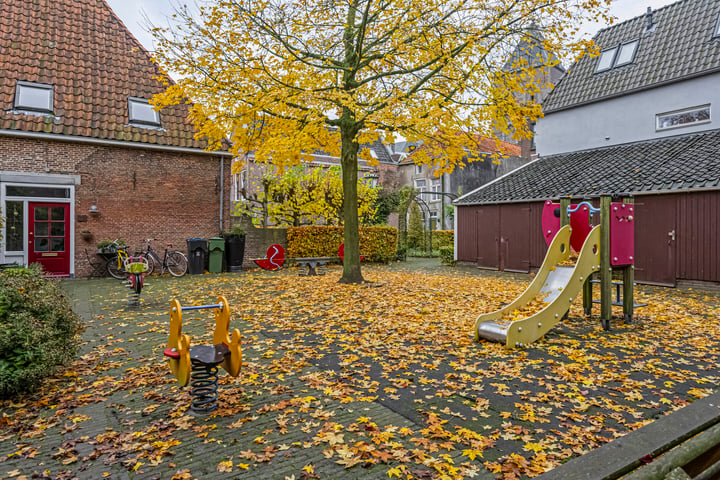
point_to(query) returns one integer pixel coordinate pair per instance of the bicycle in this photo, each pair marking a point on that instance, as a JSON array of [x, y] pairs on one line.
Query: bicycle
[[117, 265], [174, 261]]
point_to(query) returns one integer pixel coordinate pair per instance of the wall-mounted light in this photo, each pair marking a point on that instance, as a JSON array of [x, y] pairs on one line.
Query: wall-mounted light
[[94, 209]]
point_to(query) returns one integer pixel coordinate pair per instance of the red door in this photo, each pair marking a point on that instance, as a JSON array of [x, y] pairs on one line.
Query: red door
[[49, 237], [514, 238], [488, 236], [655, 239]]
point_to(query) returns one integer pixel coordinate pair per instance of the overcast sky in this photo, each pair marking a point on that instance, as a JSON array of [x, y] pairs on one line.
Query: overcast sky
[[131, 13]]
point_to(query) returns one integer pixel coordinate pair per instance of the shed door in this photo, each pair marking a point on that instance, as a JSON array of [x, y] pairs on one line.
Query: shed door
[[655, 239], [49, 237], [488, 236], [515, 240]]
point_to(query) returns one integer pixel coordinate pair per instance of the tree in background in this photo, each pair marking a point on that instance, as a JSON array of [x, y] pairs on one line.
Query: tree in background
[[415, 227], [286, 78], [304, 196]]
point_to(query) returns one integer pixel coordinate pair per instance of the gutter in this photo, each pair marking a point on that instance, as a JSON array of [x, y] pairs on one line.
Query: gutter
[[108, 143]]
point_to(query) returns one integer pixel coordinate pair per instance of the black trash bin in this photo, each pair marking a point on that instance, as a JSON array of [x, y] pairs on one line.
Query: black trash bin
[[234, 252], [197, 252]]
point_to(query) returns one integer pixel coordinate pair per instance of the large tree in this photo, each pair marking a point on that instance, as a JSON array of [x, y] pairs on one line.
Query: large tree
[[286, 78]]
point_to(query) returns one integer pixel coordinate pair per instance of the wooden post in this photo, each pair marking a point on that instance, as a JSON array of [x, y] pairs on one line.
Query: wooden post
[[629, 278], [605, 268], [587, 286]]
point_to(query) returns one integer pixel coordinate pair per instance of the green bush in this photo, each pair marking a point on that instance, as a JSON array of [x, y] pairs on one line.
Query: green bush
[[447, 255], [38, 330], [415, 227], [378, 244]]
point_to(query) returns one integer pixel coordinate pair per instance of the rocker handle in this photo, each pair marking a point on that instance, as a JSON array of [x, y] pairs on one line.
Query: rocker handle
[[202, 307]]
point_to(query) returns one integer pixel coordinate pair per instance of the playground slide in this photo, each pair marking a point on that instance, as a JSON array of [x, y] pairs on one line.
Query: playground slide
[[560, 285]]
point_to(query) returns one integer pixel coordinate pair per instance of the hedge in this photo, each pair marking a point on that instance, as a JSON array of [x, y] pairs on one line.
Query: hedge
[[443, 238], [38, 330], [378, 244]]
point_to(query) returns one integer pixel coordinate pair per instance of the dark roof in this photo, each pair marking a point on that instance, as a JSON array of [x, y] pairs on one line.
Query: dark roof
[[669, 164], [94, 63], [381, 152], [681, 45], [485, 146]]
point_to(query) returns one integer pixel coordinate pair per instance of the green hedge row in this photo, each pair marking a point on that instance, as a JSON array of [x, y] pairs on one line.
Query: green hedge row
[[378, 244], [38, 330]]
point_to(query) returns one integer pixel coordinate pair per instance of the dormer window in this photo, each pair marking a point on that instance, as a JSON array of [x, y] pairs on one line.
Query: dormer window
[[617, 56], [33, 97], [142, 114], [627, 53]]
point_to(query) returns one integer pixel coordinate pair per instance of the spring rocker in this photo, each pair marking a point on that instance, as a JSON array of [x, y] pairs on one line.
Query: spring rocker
[[601, 249], [198, 365], [274, 258], [136, 269]]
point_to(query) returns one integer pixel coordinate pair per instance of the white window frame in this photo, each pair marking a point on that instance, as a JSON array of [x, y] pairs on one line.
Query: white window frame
[[622, 48], [610, 51], [418, 182], [659, 127], [239, 183], [145, 107], [435, 186], [418, 169], [37, 87]]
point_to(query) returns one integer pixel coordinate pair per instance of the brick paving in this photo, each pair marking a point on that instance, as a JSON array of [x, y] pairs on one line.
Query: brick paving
[[299, 399]]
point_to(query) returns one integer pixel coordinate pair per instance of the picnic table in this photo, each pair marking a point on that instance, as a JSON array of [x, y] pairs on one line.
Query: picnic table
[[312, 263]]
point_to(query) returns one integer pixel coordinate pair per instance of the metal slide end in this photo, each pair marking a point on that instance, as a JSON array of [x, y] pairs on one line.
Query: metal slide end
[[492, 331]]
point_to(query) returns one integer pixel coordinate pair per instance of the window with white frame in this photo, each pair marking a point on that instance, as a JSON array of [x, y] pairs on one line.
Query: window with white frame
[[142, 114], [239, 185], [33, 97], [435, 187], [683, 118], [418, 169], [420, 184]]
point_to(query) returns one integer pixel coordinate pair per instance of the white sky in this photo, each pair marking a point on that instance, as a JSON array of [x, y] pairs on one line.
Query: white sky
[[131, 13]]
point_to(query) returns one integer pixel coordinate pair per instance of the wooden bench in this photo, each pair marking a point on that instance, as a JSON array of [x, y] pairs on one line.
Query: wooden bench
[[312, 264]]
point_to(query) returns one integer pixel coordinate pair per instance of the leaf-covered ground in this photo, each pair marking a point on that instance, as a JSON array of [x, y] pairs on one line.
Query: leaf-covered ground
[[382, 380]]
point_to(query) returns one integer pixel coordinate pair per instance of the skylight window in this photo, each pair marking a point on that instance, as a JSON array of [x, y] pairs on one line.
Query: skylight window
[[141, 113], [717, 27], [617, 56], [606, 60], [33, 97], [627, 53]]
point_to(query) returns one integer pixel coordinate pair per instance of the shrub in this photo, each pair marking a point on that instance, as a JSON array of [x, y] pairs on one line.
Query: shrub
[[447, 255], [442, 238], [415, 227], [38, 330], [378, 244]]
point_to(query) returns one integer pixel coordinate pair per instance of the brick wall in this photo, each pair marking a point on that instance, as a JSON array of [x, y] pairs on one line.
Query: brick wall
[[257, 240], [139, 193]]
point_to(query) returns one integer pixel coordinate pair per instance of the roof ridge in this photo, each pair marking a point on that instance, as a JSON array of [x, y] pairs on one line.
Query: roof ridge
[[610, 27]]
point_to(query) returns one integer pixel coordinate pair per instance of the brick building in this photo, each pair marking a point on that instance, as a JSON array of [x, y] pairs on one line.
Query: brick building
[[83, 156]]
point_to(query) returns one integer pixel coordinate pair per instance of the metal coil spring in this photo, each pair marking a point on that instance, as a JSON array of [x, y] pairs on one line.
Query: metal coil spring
[[204, 383], [134, 295]]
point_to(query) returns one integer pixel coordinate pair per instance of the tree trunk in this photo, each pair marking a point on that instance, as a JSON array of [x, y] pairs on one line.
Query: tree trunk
[[351, 235]]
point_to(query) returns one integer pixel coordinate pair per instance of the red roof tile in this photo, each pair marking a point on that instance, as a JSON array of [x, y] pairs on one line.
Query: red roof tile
[[94, 63]]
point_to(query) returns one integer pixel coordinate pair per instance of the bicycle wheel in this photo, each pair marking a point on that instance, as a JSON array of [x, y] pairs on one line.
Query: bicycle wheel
[[177, 263], [148, 259], [115, 271]]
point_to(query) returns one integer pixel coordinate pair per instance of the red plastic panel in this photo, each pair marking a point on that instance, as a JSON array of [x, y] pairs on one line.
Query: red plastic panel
[[622, 233], [550, 220], [580, 224], [275, 258]]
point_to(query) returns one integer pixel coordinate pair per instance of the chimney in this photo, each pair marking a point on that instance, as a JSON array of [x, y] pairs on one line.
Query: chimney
[[648, 16]]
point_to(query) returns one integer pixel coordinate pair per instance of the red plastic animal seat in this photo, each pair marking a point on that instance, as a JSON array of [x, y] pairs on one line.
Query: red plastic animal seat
[[341, 253], [274, 260]]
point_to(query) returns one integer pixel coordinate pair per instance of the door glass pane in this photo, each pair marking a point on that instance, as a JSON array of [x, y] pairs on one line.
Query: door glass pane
[[57, 244], [41, 230], [57, 213], [41, 213], [14, 226], [57, 229], [41, 244]]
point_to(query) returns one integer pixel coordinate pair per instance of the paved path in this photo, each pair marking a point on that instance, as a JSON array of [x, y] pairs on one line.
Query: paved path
[[315, 396]]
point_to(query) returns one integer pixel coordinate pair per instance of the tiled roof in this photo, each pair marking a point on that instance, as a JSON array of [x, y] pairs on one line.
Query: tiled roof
[[679, 46], [484, 146], [94, 63], [669, 164]]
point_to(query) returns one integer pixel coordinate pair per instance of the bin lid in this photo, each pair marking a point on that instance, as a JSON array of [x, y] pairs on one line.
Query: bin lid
[[216, 243], [195, 239]]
